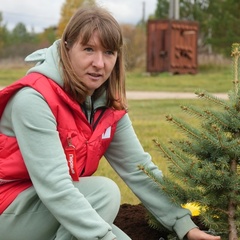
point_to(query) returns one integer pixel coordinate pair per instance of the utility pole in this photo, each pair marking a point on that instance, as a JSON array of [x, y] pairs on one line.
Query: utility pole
[[174, 9], [143, 12]]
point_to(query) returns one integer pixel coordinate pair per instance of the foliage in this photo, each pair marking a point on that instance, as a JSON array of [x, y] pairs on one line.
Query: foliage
[[135, 37], [67, 10], [3, 31], [218, 20], [189, 9], [31, 41], [135, 45], [162, 9], [205, 165], [223, 24], [13, 39], [210, 15], [48, 36]]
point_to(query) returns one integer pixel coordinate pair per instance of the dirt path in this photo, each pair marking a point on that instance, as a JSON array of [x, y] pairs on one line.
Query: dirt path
[[141, 95], [137, 95]]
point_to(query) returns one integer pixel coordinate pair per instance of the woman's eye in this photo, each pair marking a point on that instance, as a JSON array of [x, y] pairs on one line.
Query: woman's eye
[[88, 49], [109, 52]]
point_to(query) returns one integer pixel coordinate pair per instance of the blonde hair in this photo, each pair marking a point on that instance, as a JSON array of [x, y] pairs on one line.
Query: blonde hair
[[83, 24]]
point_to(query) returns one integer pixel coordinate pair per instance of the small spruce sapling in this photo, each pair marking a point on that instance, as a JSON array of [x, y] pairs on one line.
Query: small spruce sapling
[[204, 166]]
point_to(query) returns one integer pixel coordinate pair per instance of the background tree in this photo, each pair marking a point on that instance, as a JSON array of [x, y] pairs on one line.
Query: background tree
[[162, 9], [3, 34], [67, 10], [19, 34], [223, 24], [18, 42], [135, 45], [48, 36], [218, 28], [218, 20]]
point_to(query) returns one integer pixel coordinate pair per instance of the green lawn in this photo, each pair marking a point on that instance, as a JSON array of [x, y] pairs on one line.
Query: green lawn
[[212, 80], [8, 75]]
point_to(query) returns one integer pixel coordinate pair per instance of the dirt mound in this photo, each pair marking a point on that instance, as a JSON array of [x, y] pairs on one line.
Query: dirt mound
[[132, 220]]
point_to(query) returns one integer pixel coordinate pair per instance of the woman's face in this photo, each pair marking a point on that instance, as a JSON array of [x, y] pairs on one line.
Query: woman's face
[[92, 62]]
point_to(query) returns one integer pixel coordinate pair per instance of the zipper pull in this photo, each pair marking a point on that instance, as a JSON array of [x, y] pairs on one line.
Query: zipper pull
[[70, 153]]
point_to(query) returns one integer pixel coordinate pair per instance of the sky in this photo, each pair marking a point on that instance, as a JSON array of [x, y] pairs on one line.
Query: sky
[[37, 15]]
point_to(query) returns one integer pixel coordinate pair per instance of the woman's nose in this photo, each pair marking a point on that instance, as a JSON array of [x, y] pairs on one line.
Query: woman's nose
[[98, 60]]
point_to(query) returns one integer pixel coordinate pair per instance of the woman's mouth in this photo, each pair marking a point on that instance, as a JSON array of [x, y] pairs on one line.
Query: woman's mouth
[[95, 76]]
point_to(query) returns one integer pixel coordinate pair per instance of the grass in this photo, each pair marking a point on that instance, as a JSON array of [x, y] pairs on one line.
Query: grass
[[149, 121], [8, 75], [213, 80], [148, 117]]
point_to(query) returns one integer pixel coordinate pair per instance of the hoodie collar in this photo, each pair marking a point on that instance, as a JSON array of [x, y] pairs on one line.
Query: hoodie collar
[[47, 62]]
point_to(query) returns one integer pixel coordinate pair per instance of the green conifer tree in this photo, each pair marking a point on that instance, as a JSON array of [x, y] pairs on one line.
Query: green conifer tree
[[204, 166]]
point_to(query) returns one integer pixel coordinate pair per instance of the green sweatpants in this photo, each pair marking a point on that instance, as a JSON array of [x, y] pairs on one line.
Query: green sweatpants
[[27, 218]]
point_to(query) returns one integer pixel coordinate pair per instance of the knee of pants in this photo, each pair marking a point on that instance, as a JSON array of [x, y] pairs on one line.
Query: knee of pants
[[112, 191], [100, 191], [109, 192]]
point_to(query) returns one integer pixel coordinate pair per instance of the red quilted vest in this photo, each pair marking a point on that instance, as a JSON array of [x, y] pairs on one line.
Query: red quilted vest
[[89, 144]]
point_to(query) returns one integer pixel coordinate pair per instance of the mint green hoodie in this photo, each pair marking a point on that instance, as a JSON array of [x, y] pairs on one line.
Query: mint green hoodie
[[28, 115]]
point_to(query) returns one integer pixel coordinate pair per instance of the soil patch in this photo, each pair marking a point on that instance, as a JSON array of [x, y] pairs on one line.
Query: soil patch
[[132, 219]]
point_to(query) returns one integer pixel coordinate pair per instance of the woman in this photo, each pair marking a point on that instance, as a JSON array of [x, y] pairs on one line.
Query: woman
[[56, 124]]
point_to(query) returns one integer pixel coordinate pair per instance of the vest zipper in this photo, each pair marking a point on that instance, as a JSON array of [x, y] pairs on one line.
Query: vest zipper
[[92, 113], [95, 123]]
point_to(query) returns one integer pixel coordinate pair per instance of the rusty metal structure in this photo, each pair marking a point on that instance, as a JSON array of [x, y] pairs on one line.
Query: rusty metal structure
[[172, 46]]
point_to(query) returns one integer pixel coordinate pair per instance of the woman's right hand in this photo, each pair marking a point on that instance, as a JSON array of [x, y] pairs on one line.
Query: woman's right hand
[[196, 234]]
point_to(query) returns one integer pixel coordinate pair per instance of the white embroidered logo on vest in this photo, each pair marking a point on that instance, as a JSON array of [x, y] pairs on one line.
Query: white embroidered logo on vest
[[107, 133]]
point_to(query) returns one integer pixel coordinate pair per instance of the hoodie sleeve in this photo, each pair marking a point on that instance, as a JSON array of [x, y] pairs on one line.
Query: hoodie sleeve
[[35, 129], [124, 154]]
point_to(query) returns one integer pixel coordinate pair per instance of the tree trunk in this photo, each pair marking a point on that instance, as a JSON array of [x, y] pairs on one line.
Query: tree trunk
[[232, 208]]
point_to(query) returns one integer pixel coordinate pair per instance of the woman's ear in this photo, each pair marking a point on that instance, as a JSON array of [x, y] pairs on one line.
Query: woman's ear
[[66, 44]]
